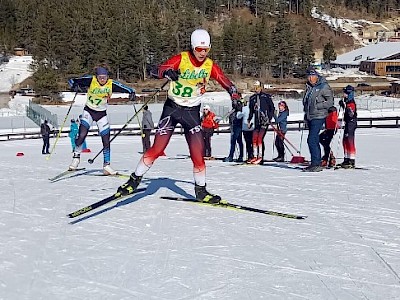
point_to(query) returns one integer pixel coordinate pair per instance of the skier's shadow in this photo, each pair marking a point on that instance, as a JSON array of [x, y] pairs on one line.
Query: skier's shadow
[[153, 185], [94, 172]]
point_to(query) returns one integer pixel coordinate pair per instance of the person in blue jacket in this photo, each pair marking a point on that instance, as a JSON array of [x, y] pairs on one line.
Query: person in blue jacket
[[99, 90], [73, 133], [281, 121], [235, 121], [84, 145], [247, 129]]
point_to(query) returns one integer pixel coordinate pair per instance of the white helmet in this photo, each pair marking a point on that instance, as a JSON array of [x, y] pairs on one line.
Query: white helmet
[[200, 38]]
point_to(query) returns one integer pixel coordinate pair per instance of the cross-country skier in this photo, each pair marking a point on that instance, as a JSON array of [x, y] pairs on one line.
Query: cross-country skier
[[350, 118], [188, 71], [99, 90]]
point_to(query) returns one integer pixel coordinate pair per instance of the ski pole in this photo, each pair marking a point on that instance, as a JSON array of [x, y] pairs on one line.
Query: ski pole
[[301, 137], [91, 160], [138, 120], [61, 128], [340, 133], [280, 134]]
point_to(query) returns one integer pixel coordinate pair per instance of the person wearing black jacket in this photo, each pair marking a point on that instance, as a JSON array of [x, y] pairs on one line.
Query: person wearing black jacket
[[45, 132], [262, 108], [350, 118]]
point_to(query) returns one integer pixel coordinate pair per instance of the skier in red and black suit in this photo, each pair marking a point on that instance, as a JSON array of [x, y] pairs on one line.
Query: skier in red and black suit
[[188, 72], [350, 118]]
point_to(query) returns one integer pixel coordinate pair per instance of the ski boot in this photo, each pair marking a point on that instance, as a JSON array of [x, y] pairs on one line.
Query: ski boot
[[332, 161], [350, 164], [130, 186], [347, 164], [324, 163], [204, 196], [279, 159], [76, 159], [107, 170], [313, 168]]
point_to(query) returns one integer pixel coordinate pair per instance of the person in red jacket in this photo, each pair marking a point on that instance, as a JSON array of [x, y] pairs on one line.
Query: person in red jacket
[[325, 138], [188, 72], [208, 125]]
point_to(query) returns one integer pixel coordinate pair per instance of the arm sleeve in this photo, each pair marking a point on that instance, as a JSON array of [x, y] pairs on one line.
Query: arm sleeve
[[271, 108], [121, 88], [220, 77], [350, 109], [172, 63], [84, 81], [327, 94], [251, 109], [281, 117]]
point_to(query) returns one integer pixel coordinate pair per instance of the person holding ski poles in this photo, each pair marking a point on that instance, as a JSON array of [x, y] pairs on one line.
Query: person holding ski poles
[[188, 72], [99, 90], [350, 119], [281, 121], [262, 107], [316, 101]]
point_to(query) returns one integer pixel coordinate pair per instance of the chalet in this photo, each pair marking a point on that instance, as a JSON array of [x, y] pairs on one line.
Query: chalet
[[20, 51], [378, 59]]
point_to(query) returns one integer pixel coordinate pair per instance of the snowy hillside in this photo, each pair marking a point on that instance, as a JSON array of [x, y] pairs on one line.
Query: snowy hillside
[[348, 26], [13, 72]]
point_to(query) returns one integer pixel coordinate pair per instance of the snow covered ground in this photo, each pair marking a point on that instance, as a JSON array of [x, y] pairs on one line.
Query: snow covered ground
[[15, 71], [147, 248]]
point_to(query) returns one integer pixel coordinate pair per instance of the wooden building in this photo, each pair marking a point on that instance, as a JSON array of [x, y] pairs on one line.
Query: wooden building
[[20, 51], [381, 67], [395, 89]]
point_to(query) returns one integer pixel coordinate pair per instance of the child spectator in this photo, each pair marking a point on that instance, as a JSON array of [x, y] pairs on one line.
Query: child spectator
[[325, 138], [208, 124], [281, 121]]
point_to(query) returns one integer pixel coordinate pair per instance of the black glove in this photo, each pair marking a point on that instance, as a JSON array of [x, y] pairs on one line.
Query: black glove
[[341, 104], [76, 88], [132, 96], [171, 74]]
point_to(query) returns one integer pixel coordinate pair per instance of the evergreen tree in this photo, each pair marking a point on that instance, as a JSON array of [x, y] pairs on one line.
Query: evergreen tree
[[329, 54], [7, 25], [45, 78], [263, 47], [305, 55], [282, 40]]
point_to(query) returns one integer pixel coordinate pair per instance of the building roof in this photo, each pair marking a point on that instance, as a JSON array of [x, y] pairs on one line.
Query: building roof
[[371, 52]]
